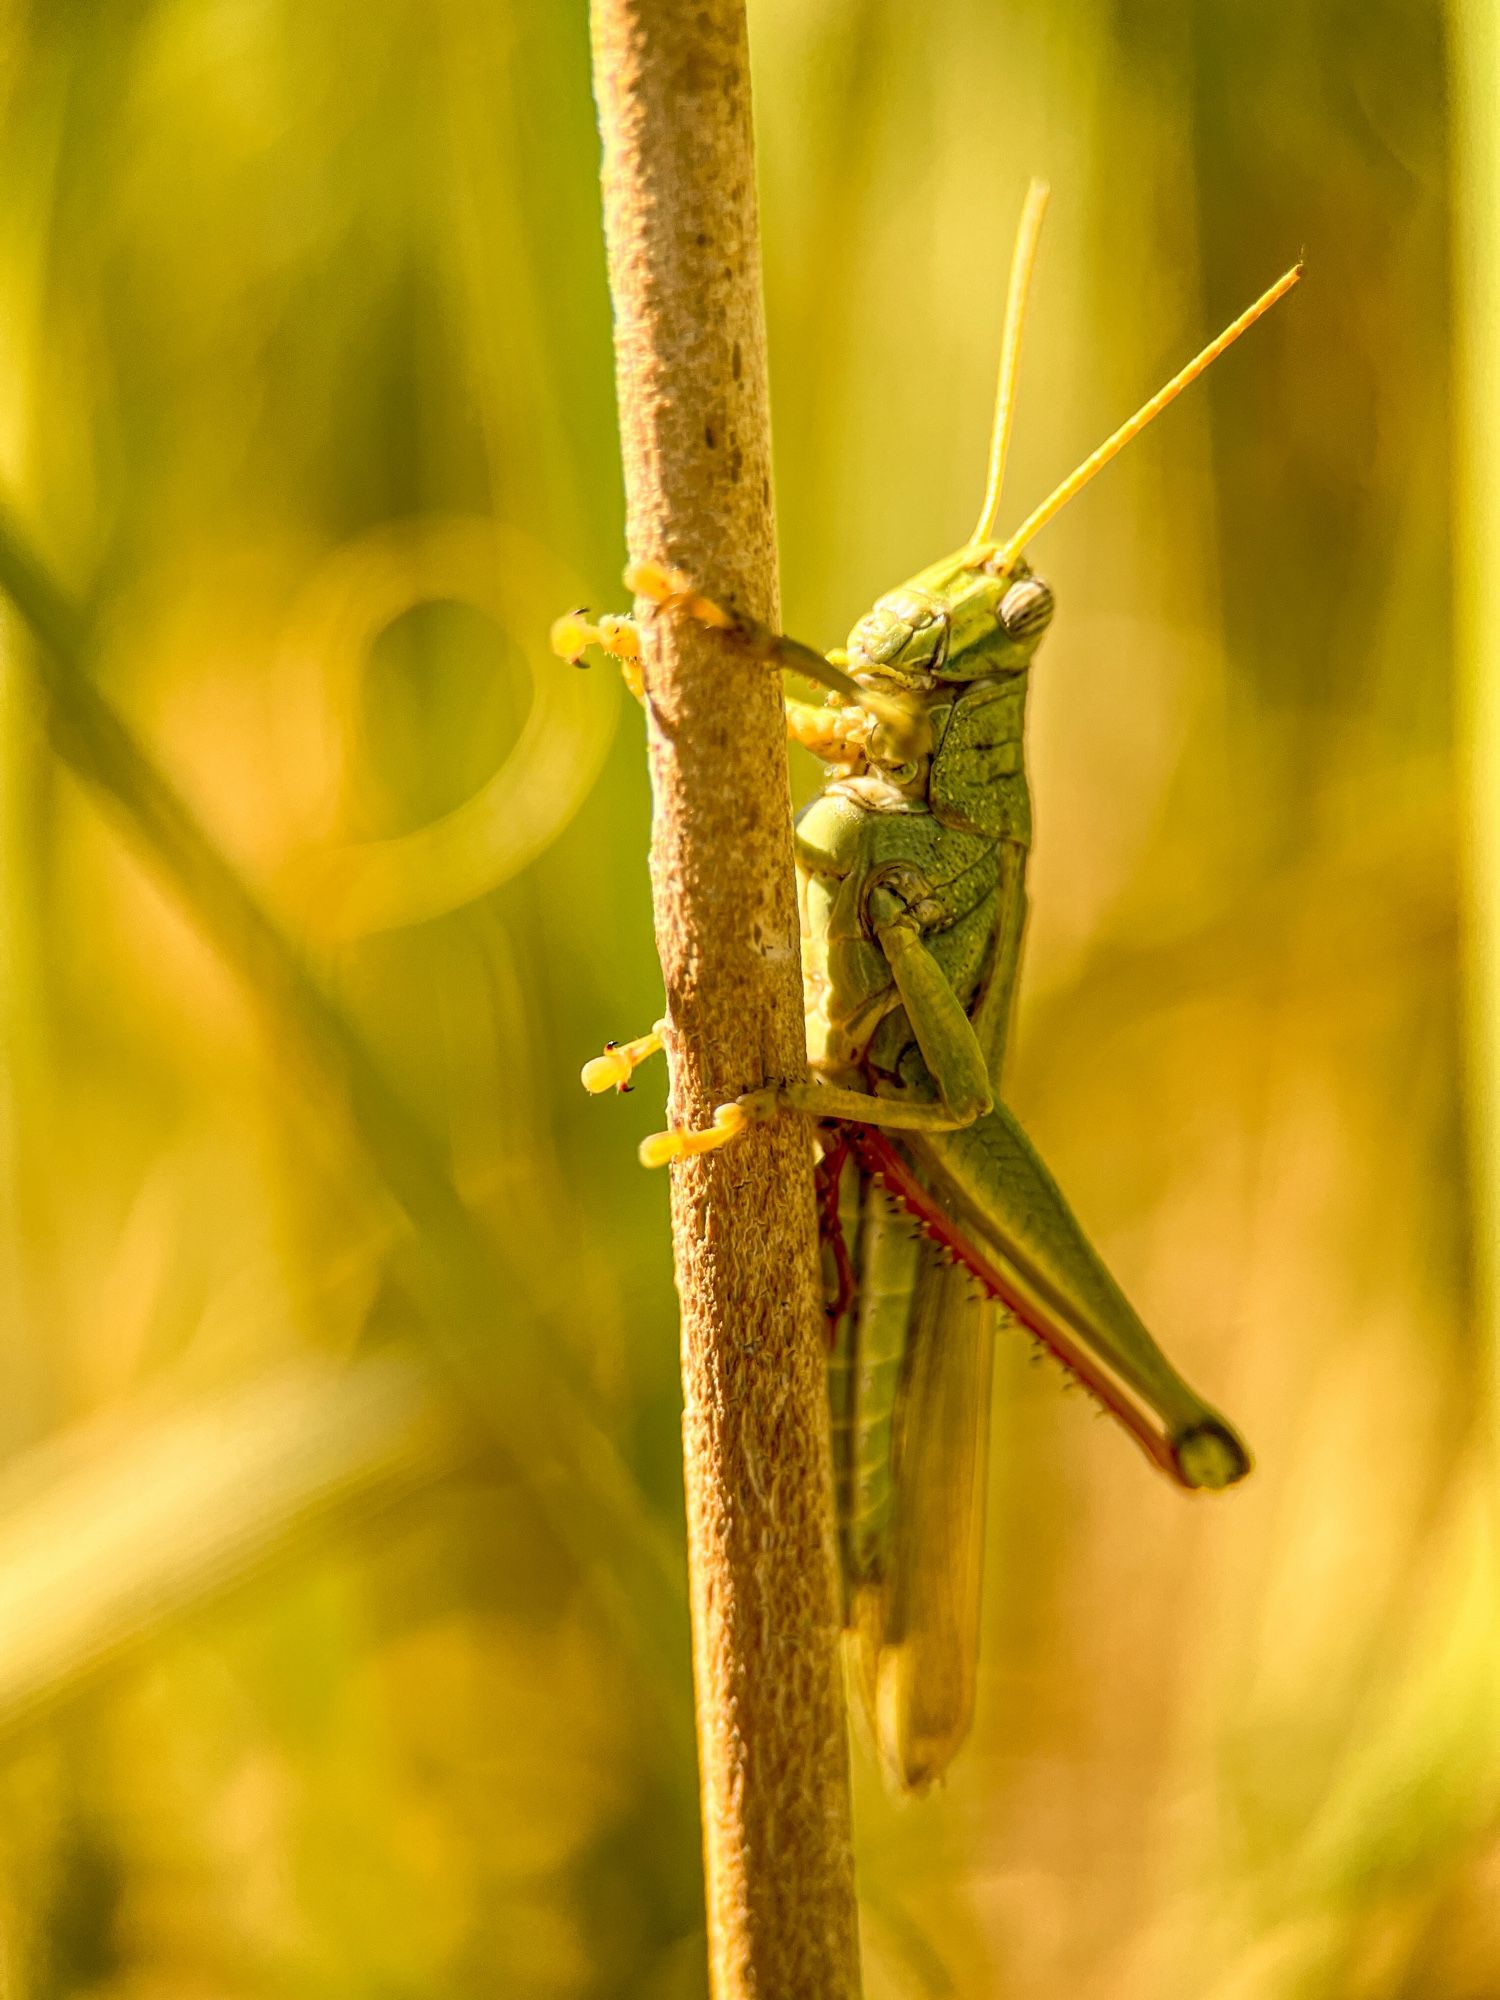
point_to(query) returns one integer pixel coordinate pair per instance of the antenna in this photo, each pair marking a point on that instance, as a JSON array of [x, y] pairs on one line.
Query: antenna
[[1005, 553], [1022, 259]]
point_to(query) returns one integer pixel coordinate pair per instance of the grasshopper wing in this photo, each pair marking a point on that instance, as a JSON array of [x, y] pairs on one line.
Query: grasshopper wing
[[920, 1627]]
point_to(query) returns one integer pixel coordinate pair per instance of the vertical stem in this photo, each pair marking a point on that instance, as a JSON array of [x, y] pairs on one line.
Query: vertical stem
[[1475, 73], [673, 87]]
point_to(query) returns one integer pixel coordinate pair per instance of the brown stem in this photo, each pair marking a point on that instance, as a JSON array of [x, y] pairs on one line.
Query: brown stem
[[672, 81]]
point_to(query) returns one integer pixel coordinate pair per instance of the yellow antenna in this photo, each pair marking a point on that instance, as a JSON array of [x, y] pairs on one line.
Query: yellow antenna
[[1007, 551], [1022, 259]]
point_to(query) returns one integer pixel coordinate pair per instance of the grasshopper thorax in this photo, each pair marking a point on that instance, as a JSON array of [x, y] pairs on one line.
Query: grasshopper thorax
[[955, 621]]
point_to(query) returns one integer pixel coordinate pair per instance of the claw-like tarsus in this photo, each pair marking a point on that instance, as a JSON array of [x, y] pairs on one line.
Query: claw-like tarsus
[[575, 632], [663, 1147], [614, 1069]]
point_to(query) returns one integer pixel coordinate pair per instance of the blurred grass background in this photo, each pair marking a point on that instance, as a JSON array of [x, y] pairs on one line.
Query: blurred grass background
[[341, 1640]]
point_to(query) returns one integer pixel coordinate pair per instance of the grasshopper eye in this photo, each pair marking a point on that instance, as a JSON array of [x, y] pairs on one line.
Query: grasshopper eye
[[1026, 608]]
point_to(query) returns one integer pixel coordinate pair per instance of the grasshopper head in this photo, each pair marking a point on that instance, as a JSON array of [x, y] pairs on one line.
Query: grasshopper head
[[957, 621], [980, 612]]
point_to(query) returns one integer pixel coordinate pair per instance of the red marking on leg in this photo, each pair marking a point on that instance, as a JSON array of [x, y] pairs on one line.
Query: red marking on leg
[[828, 1175], [878, 1157]]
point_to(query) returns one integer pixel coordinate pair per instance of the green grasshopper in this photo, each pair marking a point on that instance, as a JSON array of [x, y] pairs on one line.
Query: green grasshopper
[[936, 1213]]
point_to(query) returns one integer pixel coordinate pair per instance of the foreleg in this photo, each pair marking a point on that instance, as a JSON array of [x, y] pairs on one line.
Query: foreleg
[[950, 1050]]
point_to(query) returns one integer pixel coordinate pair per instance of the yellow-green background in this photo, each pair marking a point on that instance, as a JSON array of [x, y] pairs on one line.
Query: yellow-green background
[[342, 1657]]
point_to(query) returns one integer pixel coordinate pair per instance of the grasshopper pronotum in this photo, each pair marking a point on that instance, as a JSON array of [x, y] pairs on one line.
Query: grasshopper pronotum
[[935, 1210]]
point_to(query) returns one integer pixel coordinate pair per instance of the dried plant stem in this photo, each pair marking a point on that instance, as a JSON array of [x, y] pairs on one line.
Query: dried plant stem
[[673, 87]]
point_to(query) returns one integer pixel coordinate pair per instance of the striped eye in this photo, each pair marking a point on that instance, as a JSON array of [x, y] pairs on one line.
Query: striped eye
[[1026, 608]]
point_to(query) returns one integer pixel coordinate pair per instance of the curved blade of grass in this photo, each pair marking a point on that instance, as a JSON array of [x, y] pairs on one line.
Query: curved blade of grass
[[460, 1277], [117, 1527]]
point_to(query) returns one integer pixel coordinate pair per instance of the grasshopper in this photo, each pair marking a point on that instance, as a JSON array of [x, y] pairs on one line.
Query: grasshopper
[[936, 1214]]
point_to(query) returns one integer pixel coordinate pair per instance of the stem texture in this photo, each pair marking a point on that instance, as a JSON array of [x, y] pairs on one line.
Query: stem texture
[[673, 87]]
